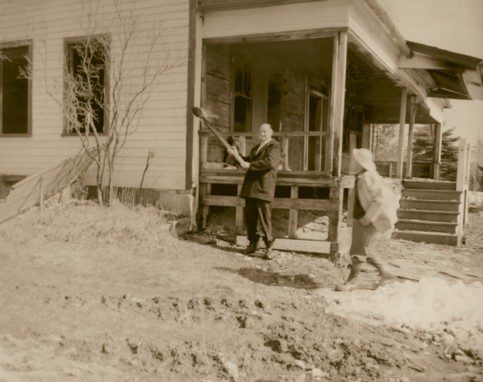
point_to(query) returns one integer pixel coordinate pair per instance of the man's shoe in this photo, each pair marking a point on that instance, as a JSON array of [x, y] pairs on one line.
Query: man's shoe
[[252, 247]]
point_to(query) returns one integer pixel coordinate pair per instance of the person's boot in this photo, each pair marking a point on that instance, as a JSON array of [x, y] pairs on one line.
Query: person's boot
[[269, 250], [252, 246], [385, 275], [351, 281]]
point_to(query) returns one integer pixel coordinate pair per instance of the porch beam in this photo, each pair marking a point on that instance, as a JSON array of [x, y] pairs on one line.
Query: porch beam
[[420, 62], [402, 123], [216, 5], [280, 36]]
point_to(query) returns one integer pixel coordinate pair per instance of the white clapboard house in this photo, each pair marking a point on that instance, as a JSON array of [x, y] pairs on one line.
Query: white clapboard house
[[322, 72]]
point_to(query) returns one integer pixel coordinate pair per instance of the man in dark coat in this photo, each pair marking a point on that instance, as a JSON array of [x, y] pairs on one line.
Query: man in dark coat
[[258, 188]]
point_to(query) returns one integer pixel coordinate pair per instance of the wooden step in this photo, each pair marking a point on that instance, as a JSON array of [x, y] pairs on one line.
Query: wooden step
[[428, 215], [427, 194], [426, 226], [426, 204], [429, 184], [428, 237]]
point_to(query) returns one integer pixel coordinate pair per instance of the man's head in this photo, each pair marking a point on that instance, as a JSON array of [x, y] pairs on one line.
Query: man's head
[[265, 133]]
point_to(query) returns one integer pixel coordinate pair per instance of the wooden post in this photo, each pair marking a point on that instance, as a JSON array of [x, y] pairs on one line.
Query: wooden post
[[239, 214], [336, 128], [242, 145], [467, 184], [293, 214], [413, 107], [205, 190], [402, 123], [437, 145], [461, 174], [337, 99], [204, 151]]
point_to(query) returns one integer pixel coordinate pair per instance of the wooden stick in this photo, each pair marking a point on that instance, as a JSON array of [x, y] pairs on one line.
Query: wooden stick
[[198, 112]]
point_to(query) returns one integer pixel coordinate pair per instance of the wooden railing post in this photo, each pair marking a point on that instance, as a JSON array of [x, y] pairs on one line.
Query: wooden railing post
[[462, 158], [437, 151], [204, 150], [402, 124]]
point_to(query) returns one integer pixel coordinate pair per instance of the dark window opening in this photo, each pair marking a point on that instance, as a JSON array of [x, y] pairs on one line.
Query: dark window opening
[[86, 85], [274, 101], [314, 192], [224, 189], [282, 191], [14, 91], [242, 98]]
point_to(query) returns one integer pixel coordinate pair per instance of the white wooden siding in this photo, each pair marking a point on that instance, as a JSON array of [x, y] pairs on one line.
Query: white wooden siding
[[162, 127]]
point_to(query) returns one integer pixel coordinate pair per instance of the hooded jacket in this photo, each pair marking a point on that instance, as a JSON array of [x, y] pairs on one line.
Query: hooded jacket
[[378, 201]]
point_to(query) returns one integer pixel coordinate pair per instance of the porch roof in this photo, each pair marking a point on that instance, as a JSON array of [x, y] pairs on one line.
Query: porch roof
[[454, 75]]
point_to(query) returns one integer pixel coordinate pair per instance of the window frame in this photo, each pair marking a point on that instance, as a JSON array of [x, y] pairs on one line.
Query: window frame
[[243, 65], [320, 133], [13, 44], [68, 43]]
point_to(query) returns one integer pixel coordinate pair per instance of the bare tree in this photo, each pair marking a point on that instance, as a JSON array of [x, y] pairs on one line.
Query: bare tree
[[109, 74]]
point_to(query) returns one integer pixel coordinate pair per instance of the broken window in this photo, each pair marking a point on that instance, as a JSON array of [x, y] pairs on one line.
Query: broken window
[[85, 84], [242, 105], [15, 108]]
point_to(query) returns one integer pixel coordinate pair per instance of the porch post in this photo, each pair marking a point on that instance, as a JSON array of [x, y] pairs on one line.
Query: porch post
[[336, 126], [402, 122], [437, 144], [413, 107], [336, 118]]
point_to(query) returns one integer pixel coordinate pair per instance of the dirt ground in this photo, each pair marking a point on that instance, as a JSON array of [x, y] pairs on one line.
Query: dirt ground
[[94, 294]]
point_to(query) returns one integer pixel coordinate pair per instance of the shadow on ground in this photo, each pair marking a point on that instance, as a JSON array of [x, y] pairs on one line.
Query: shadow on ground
[[299, 281]]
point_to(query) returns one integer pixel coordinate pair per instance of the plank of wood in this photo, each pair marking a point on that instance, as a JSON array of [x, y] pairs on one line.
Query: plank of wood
[[293, 245]]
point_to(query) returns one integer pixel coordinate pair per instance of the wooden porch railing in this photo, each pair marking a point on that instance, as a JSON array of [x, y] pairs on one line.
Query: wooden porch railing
[[330, 196]]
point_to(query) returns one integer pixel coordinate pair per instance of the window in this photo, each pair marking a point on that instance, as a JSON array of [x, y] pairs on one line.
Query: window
[[242, 98], [15, 97], [316, 129], [86, 84]]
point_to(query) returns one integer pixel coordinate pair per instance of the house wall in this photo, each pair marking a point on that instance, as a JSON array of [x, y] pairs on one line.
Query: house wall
[[162, 124], [293, 115]]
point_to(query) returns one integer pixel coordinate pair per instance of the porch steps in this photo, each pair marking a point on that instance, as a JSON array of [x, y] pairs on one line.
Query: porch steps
[[429, 212]]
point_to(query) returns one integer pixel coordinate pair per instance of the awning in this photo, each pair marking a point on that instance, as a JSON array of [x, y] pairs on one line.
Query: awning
[[453, 75]]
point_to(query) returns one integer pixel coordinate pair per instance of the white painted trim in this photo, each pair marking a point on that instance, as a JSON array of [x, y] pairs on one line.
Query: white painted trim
[[421, 62], [276, 19]]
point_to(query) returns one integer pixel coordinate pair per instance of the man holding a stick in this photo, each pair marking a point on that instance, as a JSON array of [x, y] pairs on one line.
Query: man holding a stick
[[258, 188]]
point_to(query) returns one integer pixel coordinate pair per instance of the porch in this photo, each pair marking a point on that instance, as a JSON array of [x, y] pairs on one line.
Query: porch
[[322, 90]]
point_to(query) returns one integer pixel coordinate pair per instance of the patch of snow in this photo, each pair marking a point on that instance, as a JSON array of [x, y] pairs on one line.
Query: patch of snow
[[433, 304], [475, 198]]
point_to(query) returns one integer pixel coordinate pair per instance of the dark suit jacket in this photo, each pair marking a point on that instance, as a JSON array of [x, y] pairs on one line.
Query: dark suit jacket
[[261, 177]]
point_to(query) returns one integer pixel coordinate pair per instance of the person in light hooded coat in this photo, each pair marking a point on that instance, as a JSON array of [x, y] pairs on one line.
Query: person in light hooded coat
[[375, 211]]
